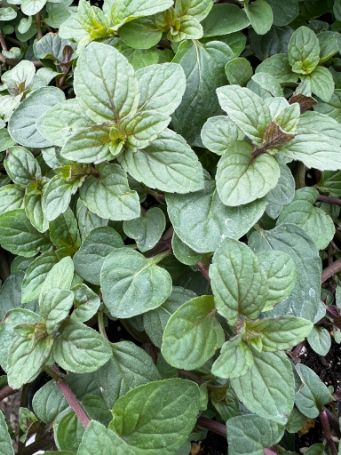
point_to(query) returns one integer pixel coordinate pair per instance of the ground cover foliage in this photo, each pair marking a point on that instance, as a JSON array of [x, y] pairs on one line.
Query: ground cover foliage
[[170, 226]]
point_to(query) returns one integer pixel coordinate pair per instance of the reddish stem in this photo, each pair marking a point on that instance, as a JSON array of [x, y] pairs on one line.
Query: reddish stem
[[327, 431], [74, 404], [203, 269], [331, 270], [6, 392], [329, 200]]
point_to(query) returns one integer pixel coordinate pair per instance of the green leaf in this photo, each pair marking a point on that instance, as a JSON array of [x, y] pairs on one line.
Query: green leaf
[[27, 356], [284, 12], [86, 303], [242, 179], [260, 15], [35, 276], [237, 281], [141, 34], [282, 194], [108, 195], [238, 71], [161, 87], [332, 107], [68, 431], [184, 253], [305, 297], [129, 367], [279, 334], [151, 422], [281, 273], [80, 349], [204, 69], [124, 10], [196, 8], [146, 230], [18, 236], [57, 196], [34, 206], [219, 133], [95, 248], [202, 222], [267, 388], [145, 127], [11, 198], [154, 321], [55, 305], [6, 447], [32, 7], [21, 166], [312, 394], [48, 402], [319, 340], [246, 109], [62, 120], [192, 324], [167, 164], [59, 276], [234, 360], [313, 220], [132, 284], [23, 122], [224, 19], [322, 83], [316, 143], [64, 234], [87, 221], [99, 438], [251, 434], [10, 293], [303, 50], [102, 92]]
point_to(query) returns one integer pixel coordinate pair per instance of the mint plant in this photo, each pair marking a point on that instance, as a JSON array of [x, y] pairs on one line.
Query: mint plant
[[170, 253]]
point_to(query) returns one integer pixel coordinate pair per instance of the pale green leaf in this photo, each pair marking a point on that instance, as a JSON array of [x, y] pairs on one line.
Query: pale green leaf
[[6, 447], [129, 367], [127, 10], [192, 334], [242, 179], [219, 133], [108, 195], [48, 402], [237, 281], [320, 340], [11, 198], [132, 284], [32, 7], [167, 164], [21, 166], [86, 303], [260, 15], [59, 276], [96, 246], [267, 388], [55, 305], [322, 83], [234, 360], [80, 349], [303, 50], [18, 236], [35, 276]]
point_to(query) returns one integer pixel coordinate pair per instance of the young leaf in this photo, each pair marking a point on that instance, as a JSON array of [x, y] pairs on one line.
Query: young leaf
[[55, 305], [151, 423], [238, 282], [234, 360], [303, 50], [99, 438], [167, 164], [246, 109], [11, 198], [267, 388], [280, 271], [35, 276], [18, 236], [194, 323], [260, 15], [278, 334], [241, 179], [80, 349], [27, 355], [101, 92], [219, 133], [86, 303], [96, 246], [132, 284], [319, 340], [21, 166], [129, 367], [60, 275], [108, 195]]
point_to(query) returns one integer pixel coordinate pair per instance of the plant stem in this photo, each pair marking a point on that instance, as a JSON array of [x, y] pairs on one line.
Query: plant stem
[[329, 200], [38, 25], [6, 392], [4, 265], [331, 270], [203, 269], [327, 432], [101, 324], [69, 396], [3, 42]]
